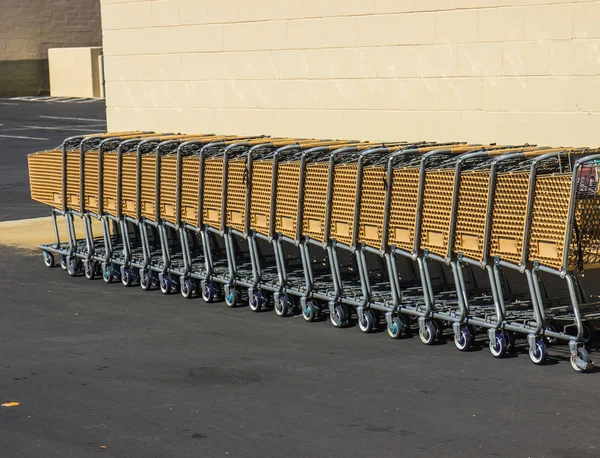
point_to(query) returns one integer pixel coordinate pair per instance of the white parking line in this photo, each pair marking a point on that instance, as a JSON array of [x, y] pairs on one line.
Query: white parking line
[[85, 128], [24, 138], [68, 118]]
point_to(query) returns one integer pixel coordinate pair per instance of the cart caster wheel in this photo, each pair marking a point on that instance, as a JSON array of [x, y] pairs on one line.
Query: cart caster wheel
[[232, 297], [208, 292], [187, 288], [89, 268], [581, 362], [127, 276], [72, 266], [145, 280], [283, 305], [439, 329], [339, 317], [463, 339], [256, 301], [368, 321], [165, 283], [63, 262], [107, 273], [538, 353], [499, 345], [309, 311], [48, 259], [428, 333], [398, 327]]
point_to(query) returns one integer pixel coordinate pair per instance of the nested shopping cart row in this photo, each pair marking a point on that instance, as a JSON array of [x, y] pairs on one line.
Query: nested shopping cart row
[[406, 235]]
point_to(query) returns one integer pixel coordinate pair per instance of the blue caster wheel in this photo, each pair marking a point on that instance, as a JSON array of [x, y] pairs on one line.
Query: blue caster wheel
[[428, 333], [463, 339], [538, 353]]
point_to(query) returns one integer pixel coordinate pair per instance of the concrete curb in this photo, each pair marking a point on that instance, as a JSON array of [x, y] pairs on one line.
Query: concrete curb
[[29, 233]]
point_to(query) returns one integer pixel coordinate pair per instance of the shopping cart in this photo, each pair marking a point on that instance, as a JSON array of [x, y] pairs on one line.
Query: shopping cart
[[57, 179]]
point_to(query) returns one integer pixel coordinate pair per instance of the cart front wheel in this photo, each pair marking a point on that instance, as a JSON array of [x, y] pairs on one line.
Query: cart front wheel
[[48, 259], [581, 362]]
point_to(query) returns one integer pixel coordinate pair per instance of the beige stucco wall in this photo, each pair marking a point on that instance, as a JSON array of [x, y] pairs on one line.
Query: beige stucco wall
[[74, 72], [29, 27], [476, 70]]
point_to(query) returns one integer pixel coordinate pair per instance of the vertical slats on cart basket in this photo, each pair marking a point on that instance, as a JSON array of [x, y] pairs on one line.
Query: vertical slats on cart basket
[[168, 188], [585, 242], [315, 200], [288, 187], [90, 176], [129, 184], [471, 214], [508, 216], [213, 178], [109, 177], [148, 191], [437, 208], [371, 206], [260, 196], [73, 179], [189, 189], [45, 177], [403, 207], [343, 202], [236, 193], [549, 219]]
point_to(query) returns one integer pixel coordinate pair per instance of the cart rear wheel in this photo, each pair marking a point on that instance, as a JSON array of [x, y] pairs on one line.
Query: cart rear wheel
[[428, 333], [145, 281], [284, 305], [187, 288], [538, 353], [499, 345], [368, 321], [127, 277], [339, 317], [309, 312], [208, 292], [72, 265], [232, 297], [165, 283], [581, 362], [48, 259], [463, 339], [89, 268], [256, 301], [107, 273], [398, 326]]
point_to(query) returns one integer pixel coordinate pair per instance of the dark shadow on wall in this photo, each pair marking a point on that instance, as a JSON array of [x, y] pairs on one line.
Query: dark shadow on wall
[[24, 77]]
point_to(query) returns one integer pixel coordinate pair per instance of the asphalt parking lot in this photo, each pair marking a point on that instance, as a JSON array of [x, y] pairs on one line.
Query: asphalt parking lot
[[104, 370], [149, 375], [28, 126]]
